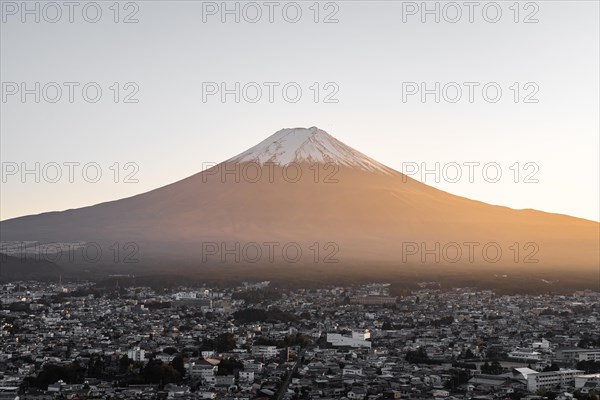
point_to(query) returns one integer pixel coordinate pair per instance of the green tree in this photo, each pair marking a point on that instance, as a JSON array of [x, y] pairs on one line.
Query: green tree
[[158, 372], [553, 367], [177, 363], [492, 369], [225, 342], [227, 366], [124, 363]]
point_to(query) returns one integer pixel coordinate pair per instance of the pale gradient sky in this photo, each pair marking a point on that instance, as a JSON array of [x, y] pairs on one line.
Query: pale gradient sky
[[170, 133]]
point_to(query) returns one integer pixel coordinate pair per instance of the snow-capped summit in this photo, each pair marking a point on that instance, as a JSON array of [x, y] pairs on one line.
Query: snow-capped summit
[[307, 145]]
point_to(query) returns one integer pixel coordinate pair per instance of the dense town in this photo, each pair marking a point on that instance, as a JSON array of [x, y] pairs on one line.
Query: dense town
[[76, 340]]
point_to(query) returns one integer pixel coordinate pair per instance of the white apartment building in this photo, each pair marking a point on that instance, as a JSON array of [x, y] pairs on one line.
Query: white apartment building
[[136, 354], [543, 344], [202, 369], [357, 339], [525, 355], [550, 379], [265, 351], [578, 354]]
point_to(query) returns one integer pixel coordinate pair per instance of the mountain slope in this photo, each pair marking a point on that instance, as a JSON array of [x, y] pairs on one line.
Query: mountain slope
[[305, 191]]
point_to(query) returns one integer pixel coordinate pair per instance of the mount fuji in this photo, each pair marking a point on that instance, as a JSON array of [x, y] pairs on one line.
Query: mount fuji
[[303, 199]]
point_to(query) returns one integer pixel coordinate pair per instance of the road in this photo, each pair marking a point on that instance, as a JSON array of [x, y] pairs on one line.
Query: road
[[284, 385]]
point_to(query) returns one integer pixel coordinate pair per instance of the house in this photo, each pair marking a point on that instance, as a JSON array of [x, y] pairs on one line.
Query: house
[[583, 380], [225, 380], [203, 368], [175, 390], [246, 376], [357, 393]]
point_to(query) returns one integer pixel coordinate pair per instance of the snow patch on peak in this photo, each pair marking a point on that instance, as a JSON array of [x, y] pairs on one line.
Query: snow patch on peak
[[307, 145]]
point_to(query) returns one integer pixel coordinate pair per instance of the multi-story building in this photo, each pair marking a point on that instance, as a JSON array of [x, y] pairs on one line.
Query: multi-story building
[[525, 355], [550, 379], [203, 369], [265, 351], [137, 354], [357, 339], [577, 354]]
